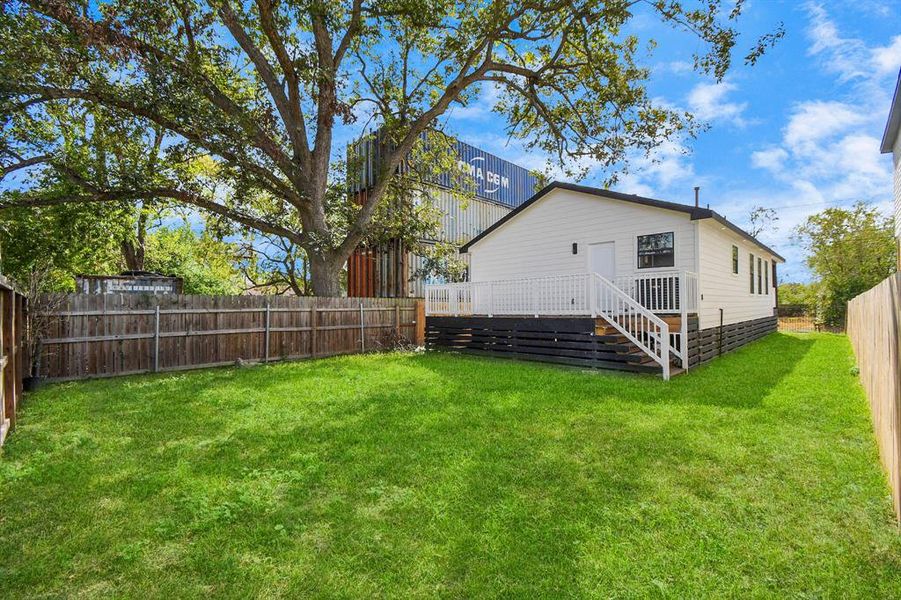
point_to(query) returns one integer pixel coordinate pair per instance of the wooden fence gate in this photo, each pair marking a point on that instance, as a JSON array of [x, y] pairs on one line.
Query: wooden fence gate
[[120, 334]]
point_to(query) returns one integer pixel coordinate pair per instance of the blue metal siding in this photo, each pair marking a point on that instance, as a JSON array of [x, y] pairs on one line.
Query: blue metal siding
[[495, 179]]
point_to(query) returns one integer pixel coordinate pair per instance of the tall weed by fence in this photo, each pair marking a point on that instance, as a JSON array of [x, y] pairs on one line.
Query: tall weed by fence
[[119, 334], [875, 332]]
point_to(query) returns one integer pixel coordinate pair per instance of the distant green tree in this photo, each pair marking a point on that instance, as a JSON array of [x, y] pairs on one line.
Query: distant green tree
[[849, 251], [207, 264], [804, 296], [52, 244]]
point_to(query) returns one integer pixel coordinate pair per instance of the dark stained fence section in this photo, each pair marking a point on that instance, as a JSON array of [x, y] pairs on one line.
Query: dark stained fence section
[[13, 354], [121, 334], [563, 340], [712, 342]]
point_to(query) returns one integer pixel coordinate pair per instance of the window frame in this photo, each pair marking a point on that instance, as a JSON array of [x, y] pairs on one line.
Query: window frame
[[735, 266], [759, 275], [751, 261], [766, 277], [638, 255]]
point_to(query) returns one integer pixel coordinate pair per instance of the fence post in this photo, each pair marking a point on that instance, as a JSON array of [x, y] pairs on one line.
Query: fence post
[[362, 330], [313, 341], [266, 342], [397, 321], [420, 323], [156, 339]]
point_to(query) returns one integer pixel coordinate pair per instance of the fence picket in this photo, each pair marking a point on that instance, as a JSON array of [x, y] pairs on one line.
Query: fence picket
[[166, 333]]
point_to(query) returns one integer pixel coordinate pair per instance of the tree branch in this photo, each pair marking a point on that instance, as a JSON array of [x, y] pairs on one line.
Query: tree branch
[[267, 75], [24, 164]]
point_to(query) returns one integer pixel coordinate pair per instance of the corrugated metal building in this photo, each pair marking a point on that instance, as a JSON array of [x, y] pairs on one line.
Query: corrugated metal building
[[129, 282], [499, 186]]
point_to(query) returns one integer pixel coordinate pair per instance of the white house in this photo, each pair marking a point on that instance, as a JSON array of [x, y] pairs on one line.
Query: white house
[[891, 142], [657, 280]]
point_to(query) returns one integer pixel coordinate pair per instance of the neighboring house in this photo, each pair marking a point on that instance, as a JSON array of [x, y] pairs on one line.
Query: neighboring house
[[657, 281], [891, 142], [391, 270]]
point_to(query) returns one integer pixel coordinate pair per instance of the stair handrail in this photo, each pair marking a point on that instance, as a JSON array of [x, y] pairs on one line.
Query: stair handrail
[[643, 321]]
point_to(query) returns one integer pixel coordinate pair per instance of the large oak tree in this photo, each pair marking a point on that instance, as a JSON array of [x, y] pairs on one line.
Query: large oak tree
[[260, 87]]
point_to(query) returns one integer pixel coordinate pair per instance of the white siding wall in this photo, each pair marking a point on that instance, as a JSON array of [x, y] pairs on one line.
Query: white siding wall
[[538, 241], [720, 287]]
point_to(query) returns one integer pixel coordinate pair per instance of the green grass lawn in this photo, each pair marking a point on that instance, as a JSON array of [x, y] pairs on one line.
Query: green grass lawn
[[439, 475]]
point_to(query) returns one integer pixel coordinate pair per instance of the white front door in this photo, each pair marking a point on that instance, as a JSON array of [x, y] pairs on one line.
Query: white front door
[[602, 260]]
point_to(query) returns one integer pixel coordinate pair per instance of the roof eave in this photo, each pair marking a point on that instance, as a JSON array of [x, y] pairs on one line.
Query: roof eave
[[694, 212], [893, 124]]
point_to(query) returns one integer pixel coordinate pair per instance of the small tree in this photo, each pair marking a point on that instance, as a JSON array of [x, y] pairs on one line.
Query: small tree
[[850, 251], [38, 316]]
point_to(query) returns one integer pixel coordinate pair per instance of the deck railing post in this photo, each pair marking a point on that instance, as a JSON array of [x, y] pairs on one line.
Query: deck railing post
[[664, 347], [592, 296], [683, 329]]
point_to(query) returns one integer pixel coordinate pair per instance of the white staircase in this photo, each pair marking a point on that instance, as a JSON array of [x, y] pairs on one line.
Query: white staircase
[[638, 324]]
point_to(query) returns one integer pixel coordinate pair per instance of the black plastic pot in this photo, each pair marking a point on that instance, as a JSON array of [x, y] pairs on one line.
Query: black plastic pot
[[30, 384]]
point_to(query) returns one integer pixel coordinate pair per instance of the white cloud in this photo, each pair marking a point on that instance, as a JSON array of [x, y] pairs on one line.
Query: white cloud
[[772, 159], [845, 56], [667, 168], [887, 59], [480, 108], [708, 102], [813, 121]]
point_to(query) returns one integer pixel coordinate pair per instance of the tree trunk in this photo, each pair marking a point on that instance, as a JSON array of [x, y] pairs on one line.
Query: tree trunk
[[325, 275], [133, 255]]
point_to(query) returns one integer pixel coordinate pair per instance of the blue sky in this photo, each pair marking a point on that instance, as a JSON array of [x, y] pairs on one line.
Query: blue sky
[[798, 132]]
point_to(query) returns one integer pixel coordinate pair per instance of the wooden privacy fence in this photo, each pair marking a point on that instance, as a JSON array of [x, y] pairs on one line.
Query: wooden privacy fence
[[874, 331], [106, 335], [13, 354]]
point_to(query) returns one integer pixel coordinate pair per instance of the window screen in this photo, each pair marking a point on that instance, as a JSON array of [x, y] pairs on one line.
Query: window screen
[[735, 259]]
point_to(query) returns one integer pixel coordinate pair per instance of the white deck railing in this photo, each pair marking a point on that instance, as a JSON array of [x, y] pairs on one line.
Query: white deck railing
[[558, 295], [660, 292], [580, 294], [663, 291]]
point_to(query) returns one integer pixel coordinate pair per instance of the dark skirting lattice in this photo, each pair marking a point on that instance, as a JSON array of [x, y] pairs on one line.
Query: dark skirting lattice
[[570, 341]]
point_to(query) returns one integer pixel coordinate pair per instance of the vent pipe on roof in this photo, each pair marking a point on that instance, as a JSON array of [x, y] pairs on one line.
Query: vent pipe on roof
[[697, 196]]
